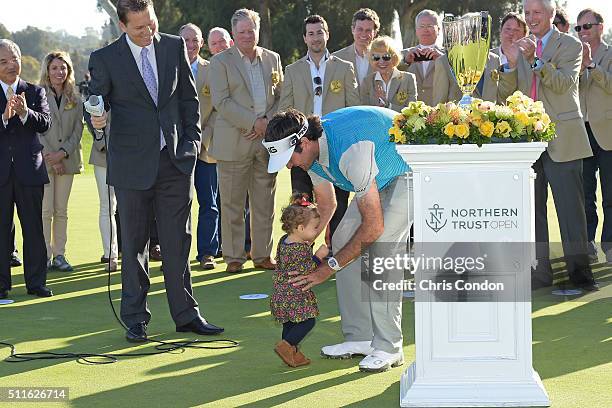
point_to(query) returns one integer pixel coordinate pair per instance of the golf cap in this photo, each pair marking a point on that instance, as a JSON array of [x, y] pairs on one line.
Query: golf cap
[[280, 151]]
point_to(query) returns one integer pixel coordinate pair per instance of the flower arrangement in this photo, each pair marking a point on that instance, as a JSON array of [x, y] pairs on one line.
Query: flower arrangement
[[521, 120]]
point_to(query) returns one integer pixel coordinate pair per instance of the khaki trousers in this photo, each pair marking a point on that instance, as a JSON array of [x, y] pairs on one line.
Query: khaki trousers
[[55, 213], [368, 314], [236, 178]]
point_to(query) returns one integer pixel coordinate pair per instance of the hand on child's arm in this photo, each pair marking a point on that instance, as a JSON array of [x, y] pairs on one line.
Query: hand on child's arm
[[322, 252]]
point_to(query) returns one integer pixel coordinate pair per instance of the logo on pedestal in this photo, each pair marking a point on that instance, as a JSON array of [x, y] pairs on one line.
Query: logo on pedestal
[[436, 220]]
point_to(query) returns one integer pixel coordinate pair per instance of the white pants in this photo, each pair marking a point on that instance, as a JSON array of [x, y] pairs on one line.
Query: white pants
[[106, 218], [55, 213]]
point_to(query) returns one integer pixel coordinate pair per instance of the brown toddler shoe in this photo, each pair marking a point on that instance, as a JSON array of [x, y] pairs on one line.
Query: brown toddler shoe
[[300, 359], [286, 352]]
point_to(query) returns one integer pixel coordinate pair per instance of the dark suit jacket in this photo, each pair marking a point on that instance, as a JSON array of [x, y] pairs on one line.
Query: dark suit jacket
[[19, 142], [133, 147]]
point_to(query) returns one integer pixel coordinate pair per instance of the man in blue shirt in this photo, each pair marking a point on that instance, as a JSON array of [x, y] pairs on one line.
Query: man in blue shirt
[[350, 149]]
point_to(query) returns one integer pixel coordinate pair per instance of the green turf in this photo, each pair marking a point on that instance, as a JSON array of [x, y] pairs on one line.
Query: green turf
[[572, 340]]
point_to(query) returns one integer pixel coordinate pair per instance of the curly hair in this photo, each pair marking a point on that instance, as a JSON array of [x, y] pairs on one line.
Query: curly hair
[[299, 212]]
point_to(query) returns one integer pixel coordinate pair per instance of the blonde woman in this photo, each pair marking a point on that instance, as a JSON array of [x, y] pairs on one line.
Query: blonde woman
[[387, 86], [62, 152]]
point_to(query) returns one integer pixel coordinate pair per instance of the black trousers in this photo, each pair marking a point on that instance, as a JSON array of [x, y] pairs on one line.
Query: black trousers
[[170, 198], [600, 161], [294, 333], [300, 182], [28, 200]]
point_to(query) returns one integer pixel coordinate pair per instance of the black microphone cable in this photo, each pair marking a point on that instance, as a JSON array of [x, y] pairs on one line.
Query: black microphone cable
[[161, 347]]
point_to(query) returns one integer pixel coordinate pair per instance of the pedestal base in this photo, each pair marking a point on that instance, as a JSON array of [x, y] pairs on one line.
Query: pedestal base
[[471, 392]]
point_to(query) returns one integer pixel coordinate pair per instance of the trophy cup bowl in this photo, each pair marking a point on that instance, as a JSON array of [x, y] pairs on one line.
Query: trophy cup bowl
[[467, 40]]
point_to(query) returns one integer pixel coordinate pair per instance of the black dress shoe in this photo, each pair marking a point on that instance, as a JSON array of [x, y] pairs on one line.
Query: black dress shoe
[[591, 286], [42, 291], [200, 326], [103, 259], [137, 333], [3, 293], [15, 261]]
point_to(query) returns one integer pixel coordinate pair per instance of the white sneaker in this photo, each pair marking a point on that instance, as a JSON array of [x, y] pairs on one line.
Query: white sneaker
[[347, 349], [380, 361]]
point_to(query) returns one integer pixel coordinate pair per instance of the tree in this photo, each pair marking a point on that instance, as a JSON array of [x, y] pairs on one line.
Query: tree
[[35, 42], [608, 37], [30, 69], [4, 33]]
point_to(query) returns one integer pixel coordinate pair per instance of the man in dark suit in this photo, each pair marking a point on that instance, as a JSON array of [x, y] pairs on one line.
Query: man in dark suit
[[25, 113], [146, 80]]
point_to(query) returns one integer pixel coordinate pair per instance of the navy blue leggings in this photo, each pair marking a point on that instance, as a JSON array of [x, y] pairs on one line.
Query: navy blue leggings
[[294, 333]]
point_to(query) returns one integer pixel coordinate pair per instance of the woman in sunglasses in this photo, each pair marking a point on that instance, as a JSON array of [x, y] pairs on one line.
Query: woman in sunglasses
[[387, 86]]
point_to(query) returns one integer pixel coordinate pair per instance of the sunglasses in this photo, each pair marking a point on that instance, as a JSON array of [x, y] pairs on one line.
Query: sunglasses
[[385, 57], [319, 88], [585, 26]]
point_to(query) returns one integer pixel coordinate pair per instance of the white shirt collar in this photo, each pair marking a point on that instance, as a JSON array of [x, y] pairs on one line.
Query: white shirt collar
[[324, 59], [13, 85], [136, 49]]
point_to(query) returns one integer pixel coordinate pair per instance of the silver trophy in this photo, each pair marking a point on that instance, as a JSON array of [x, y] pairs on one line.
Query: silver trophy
[[467, 40]]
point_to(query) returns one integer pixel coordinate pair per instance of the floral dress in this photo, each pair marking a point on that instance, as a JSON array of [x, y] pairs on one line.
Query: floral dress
[[288, 303]]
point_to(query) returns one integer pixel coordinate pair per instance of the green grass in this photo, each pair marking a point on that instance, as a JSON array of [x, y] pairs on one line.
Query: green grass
[[572, 340]]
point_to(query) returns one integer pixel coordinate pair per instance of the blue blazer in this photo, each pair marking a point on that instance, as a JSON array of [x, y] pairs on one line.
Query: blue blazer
[[19, 143]]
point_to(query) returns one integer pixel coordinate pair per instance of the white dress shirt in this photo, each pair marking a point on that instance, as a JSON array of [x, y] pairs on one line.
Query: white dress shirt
[[362, 66], [317, 101]]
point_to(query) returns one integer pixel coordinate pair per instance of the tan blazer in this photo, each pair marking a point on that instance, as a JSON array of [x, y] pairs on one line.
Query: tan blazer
[[297, 91], [230, 89], [207, 113], [97, 157], [557, 85], [424, 82], [445, 86], [65, 132], [596, 96], [348, 54], [402, 90]]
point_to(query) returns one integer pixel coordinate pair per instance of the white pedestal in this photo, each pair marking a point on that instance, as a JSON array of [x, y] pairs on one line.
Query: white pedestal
[[471, 354]]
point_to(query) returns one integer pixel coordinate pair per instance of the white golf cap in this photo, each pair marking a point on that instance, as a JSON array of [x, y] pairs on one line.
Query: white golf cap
[[280, 151]]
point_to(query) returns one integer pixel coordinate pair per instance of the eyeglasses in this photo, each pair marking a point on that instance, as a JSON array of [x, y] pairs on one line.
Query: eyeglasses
[[385, 57], [585, 26], [319, 88]]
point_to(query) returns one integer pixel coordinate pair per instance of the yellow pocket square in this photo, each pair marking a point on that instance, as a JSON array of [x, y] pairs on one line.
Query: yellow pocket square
[[401, 97]]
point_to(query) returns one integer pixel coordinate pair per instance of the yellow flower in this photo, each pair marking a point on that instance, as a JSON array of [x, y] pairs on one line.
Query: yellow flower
[[275, 77], [538, 126], [487, 128], [449, 130], [545, 119], [206, 90], [401, 97], [69, 106], [522, 118], [462, 130], [503, 128], [335, 86], [475, 118], [398, 119], [398, 135]]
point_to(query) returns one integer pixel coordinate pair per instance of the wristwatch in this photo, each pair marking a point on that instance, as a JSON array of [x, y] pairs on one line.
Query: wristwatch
[[333, 263], [535, 63], [591, 65]]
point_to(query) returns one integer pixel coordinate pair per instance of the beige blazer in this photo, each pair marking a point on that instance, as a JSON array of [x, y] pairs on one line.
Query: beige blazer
[[207, 113], [348, 54], [596, 96], [424, 81], [557, 85], [402, 90], [445, 86], [65, 132], [97, 157], [230, 89], [339, 86]]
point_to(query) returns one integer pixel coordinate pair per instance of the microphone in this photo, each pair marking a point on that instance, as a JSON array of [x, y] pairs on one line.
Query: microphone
[[94, 105]]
